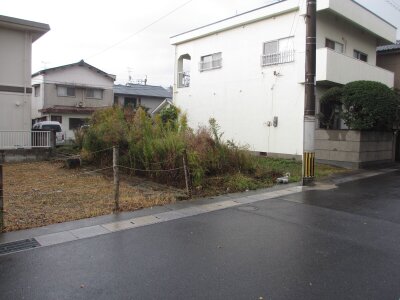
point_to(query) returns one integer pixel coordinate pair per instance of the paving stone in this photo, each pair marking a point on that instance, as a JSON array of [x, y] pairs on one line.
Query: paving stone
[[146, 220], [257, 197], [168, 216], [218, 205], [55, 238], [116, 226], [191, 211], [246, 200], [90, 231]]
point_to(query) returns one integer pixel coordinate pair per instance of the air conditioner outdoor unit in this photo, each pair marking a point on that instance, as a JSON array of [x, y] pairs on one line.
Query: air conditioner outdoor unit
[[79, 104]]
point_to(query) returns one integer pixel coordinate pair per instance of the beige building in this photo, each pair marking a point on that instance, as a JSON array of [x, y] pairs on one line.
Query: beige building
[[16, 38], [388, 57], [69, 94]]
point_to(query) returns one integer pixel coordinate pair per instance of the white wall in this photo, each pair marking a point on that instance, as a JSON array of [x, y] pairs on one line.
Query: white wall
[[354, 12], [37, 102], [15, 70], [79, 75], [243, 96], [342, 31]]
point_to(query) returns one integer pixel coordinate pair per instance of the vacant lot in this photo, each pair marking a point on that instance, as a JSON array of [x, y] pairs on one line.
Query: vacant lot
[[43, 193]]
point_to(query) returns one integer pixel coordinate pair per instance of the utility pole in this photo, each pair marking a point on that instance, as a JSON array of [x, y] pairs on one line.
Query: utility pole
[[309, 94]]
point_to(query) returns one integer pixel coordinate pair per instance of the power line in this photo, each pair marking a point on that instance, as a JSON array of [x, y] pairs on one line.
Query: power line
[[394, 4], [140, 30]]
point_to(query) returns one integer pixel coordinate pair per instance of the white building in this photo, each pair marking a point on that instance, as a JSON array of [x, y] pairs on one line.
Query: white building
[[247, 71], [69, 94], [16, 38]]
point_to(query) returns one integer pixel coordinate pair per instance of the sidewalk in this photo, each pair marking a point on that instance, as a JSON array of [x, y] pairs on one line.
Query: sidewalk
[[85, 228]]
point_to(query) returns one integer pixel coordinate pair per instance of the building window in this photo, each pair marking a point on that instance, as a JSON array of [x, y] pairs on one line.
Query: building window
[[278, 52], [94, 93], [130, 102], [76, 123], [359, 55], [57, 119], [36, 90], [65, 91], [338, 47], [210, 62], [183, 79]]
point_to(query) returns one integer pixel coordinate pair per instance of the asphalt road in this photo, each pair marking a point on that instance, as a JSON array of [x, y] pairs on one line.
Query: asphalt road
[[337, 244]]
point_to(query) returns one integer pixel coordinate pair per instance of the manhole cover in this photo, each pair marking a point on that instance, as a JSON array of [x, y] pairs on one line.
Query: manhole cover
[[18, 246], [248, 208]]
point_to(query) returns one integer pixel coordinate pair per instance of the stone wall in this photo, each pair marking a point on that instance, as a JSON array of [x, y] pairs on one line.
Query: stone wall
[[19, 155], [353, 149]]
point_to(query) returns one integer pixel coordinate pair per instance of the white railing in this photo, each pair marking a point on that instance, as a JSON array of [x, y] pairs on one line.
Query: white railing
[[209, 65], [183, 79], [24, 139], [277, 58]]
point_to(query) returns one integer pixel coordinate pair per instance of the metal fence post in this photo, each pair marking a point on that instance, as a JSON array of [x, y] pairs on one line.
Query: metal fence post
[[116, 178]]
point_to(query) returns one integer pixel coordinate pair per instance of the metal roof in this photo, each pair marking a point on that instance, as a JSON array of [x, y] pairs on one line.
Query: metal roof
[[389, 47], [142, 90]]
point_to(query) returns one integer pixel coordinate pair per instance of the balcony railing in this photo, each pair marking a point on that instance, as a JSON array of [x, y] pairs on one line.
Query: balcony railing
[[183, 79], [210, 65], [277, 58], [25, 139]]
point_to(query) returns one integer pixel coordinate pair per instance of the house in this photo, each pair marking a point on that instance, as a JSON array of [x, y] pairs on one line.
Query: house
[[247, 71], [16, 38], [134, 95], [69, 94], [388, 57]]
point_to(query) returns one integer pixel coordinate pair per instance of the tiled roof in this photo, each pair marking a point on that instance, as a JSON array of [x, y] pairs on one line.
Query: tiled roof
[[142, 90], [389, 47]]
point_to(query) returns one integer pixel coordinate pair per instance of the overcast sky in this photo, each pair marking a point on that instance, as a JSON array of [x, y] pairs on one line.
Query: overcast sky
[[88, 30]]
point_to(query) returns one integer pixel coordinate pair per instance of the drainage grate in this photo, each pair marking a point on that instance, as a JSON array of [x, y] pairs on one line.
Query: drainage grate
[[18, 246]]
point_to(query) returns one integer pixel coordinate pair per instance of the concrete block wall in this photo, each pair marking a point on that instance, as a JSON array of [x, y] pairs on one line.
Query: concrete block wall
[[353, 149], [25, 155]]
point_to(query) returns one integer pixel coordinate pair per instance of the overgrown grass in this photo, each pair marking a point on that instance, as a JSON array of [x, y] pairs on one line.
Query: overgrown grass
[[266, 171], [157, 143]]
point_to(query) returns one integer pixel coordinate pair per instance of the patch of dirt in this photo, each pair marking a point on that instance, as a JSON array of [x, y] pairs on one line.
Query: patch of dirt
[[42, 193]]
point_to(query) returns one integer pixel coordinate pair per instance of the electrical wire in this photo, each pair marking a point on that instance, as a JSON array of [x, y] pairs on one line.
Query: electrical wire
[[140, 30]]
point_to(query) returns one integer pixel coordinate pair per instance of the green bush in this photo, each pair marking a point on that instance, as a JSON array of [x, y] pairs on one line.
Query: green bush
[[369, 105], [363, 105]]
